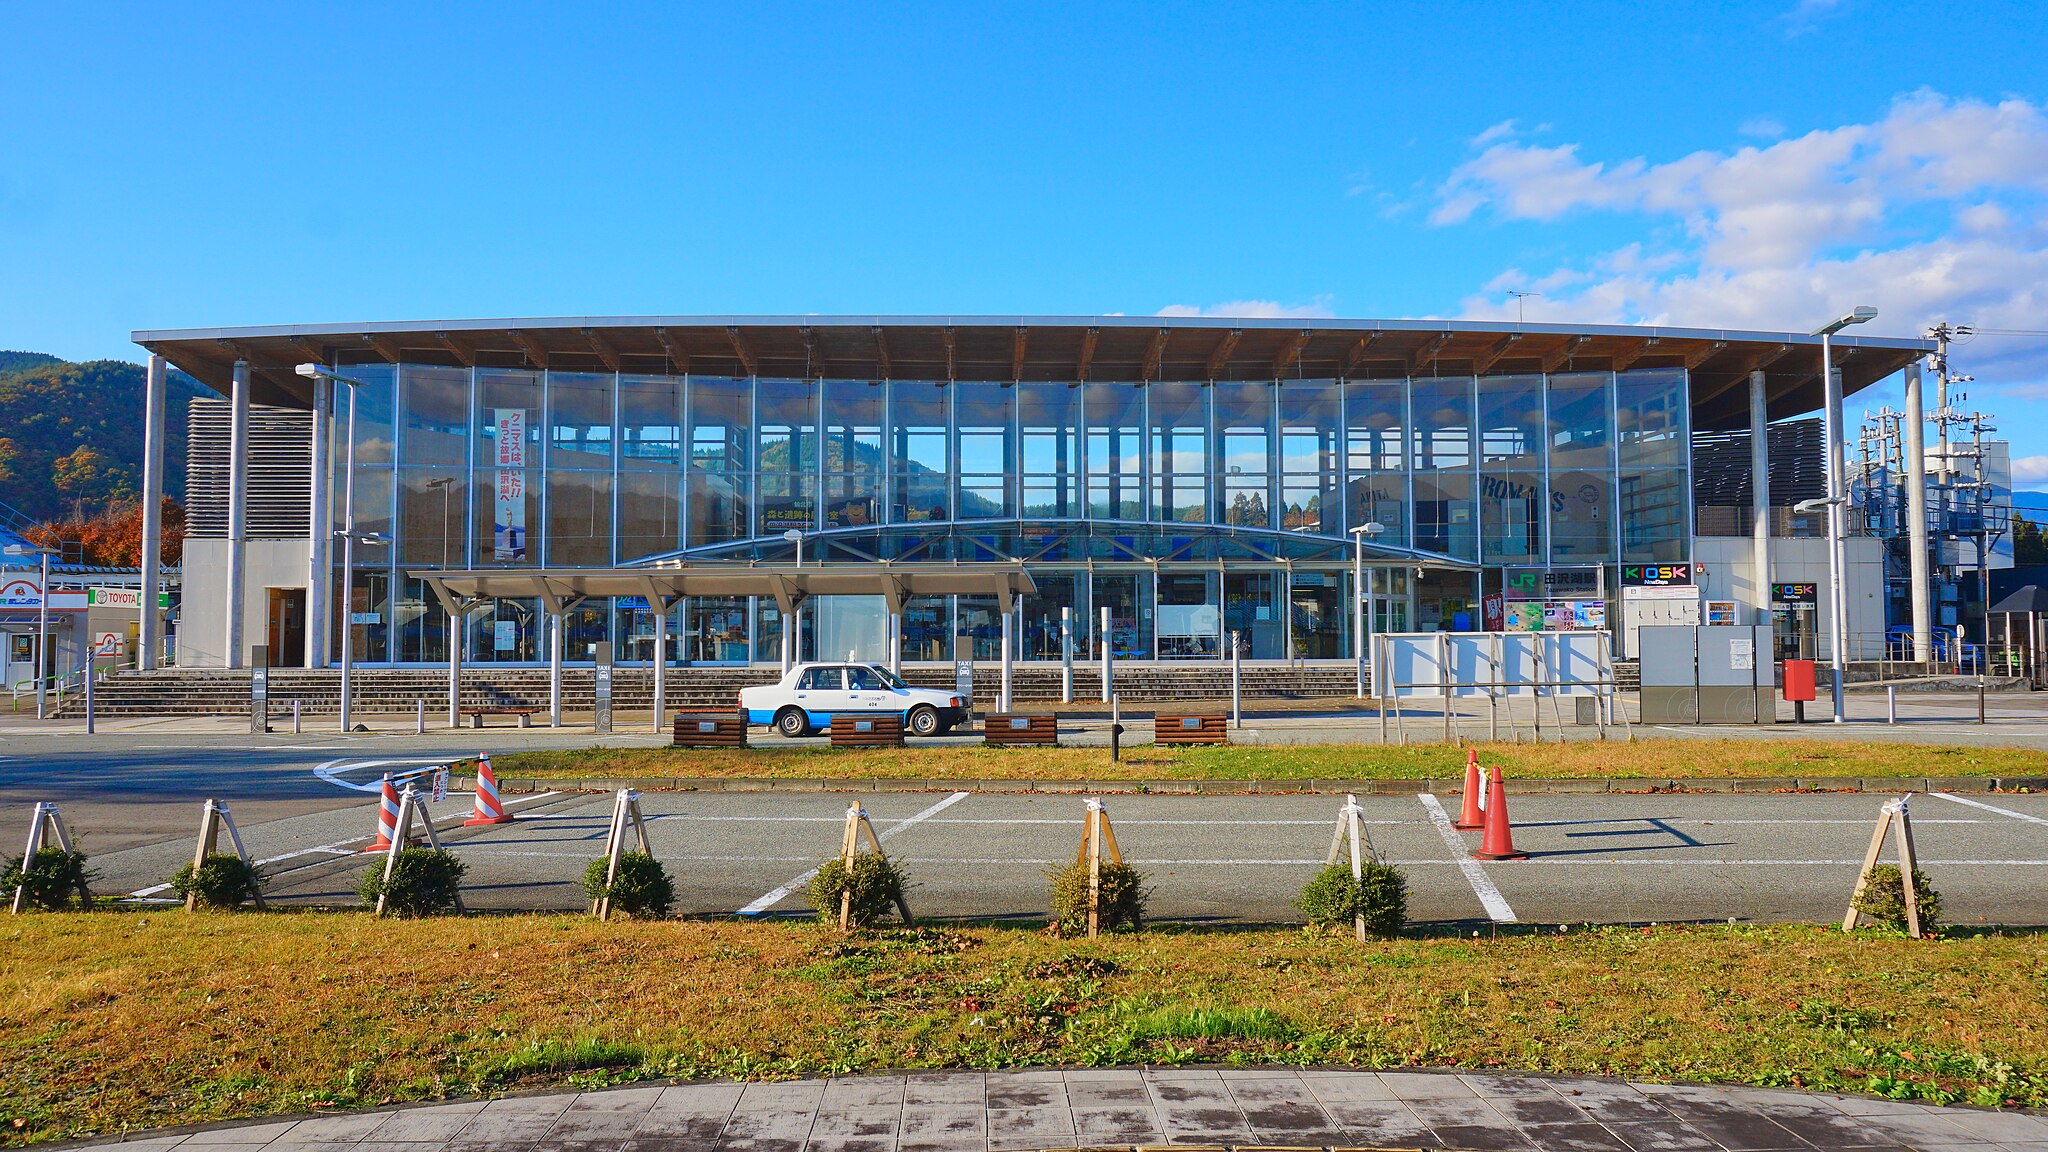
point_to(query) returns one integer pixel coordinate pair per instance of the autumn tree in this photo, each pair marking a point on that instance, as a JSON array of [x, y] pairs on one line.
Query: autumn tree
[[113, 539]]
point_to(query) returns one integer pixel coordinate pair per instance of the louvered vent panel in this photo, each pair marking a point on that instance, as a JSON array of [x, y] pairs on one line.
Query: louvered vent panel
[[280, 471]]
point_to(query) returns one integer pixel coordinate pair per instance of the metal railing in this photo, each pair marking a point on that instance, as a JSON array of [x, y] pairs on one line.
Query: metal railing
[[62, 682]]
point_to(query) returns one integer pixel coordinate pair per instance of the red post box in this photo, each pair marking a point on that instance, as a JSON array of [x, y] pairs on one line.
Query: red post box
[[1799, 680]]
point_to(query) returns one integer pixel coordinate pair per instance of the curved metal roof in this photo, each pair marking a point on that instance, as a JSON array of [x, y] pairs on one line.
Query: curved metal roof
[[1048, 348]]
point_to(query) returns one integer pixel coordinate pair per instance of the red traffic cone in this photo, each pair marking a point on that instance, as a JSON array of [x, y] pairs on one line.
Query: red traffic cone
[[489, 809], [1499, 841], [387, 819], [1472, 816]]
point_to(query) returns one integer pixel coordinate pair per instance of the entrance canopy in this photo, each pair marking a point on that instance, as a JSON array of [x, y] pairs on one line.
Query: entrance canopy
[[788, 584]]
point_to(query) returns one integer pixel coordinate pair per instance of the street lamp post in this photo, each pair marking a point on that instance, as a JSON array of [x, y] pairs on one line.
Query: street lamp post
[[1360, 593], [349, 536], [1838, 601], [43, 626]]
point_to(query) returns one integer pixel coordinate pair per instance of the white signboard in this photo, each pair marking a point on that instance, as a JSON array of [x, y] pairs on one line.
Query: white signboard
[[504, 635], [1742, 654], [107, 644], [19, 592], [441, 784], [366, 618], [509, 533]]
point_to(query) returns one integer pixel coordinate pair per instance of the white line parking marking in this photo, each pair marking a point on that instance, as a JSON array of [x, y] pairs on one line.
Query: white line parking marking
[[1989, 807], [1490, 898], [772, 898]]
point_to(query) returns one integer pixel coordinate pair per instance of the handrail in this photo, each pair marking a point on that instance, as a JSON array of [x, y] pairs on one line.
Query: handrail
[[60, 682]]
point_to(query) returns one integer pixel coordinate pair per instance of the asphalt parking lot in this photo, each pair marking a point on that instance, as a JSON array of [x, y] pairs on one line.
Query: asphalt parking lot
[[1210, 858]]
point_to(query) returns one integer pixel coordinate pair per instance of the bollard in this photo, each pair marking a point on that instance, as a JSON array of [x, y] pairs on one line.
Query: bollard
[[1891, 703], [1067, 654], [420, 706], [1236, 682], [1116, 729], [1108, 697], [295, 717]]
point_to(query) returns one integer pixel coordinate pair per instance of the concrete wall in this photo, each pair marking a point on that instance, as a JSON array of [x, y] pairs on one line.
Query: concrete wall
[[202, 624], [1730, 574]]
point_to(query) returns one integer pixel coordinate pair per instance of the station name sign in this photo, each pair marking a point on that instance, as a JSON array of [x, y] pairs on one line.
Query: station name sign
[[1656, 575], [1550, 583]]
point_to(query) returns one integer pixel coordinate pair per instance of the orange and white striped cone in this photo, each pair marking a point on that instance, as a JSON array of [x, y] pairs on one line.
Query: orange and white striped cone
[[387, 818], [1498, 843], [489, 809], [1472, 815]]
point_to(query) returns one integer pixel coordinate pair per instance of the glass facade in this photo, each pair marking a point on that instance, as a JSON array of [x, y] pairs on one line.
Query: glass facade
[[1192, 511]]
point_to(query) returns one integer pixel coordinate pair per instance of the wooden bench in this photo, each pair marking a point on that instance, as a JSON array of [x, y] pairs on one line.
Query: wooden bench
[[1179, 729], [710, 730], [881, 730], [1016, 728], [476, 715]]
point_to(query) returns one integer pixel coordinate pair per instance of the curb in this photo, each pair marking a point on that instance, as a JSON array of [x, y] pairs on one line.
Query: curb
[[1409, 787]]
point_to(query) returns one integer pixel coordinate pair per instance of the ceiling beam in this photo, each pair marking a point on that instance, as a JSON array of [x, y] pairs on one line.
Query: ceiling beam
[[1154, 352], [317, 353], [603, 348], [386, 347], [1292, 352], [463, 355], [1427, 352], [1356, 356], [1219, 357], [881, 350], [1019, 339], [1627, 357], [739, 349], [1563, 354], [672, 345], [1740, 376], [1088, 341], [1494, 352], [1703, 353], [535, 354]]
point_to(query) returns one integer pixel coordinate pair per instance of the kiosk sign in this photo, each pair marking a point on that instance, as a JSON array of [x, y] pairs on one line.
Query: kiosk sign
[[1656, 575]]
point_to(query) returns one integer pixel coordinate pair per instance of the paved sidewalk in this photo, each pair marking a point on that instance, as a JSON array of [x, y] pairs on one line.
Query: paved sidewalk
[[976, 1111]]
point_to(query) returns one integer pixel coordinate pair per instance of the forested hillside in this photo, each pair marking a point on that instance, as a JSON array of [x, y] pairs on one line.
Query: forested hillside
[[71, 434]]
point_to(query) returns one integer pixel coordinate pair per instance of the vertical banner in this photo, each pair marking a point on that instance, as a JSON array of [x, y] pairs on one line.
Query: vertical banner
[[509, 534]]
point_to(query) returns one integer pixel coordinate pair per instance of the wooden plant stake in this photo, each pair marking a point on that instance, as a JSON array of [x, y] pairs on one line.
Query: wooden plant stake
[[1894, 811], [45, 820], [858, 825], [625, 810], [1351, 827], [213, 815], [409, 802], [1095, 835]]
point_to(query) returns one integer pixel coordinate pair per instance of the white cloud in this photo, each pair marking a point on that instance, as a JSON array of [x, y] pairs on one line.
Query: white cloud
[[1318, 309], [1807, 15], [1934, 211], [1500, 131], [1764, 127], [2030, 472]]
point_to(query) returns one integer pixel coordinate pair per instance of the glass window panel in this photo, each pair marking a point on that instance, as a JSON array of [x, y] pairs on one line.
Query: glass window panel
[[984, 497], [1244, 503], [1251, 609], [715, 629], [921, 497], [1190, 616], [1581, 516], [505, 515], [1318, 618], [1581, 420], [852, 501], [1128, 596], [1651, 409], [507, 503], [721, 423], [1512, 496], [650, 514], [579, 420], [579, 513], [1653, 516], [717, 507], [433, 516], [1039, 616], [1376, 439], [1441, 412], [420, 626], [650, 421], [1115, 440], [853, 427], [1444, 520], [1308, 504], [918, 427], [1308, 427], [374, 411], [928, 628], [788, 416], [505, 631], [1049, 419], [436, 412], [786, 500]]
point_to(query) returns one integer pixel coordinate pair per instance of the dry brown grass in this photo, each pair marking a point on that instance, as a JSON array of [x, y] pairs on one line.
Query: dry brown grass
[[117, 1021], [1657, 758]]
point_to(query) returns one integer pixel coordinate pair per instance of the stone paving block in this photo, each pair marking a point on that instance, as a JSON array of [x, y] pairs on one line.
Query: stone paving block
[[438, 1123], [863, 1092], [349, 1126], [1426, 1086], [204, 1142], [1546, 1109], [1269, 1089], [852, 1122], [1288, 1116], [1118, 1125], [941, 1124], [1103, 1075], [288, 1145], [1005, 1093], [1584, 1136], [1732, 1128], [1616, 1103], [1210, 1093], [239, 1134], [1666, 1135], [946, 1088], [1130, 1093], [1349, 1087], [851, 1144], [1030, 1128], [2004, 1127]]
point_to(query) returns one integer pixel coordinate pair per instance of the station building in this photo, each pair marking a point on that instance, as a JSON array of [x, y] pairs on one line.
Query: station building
[[1198, 479]]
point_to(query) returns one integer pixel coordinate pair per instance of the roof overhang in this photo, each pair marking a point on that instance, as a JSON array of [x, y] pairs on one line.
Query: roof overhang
[[1048, 348], [788, 585]]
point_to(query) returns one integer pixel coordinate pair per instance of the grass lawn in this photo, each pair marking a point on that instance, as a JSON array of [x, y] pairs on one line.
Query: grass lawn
[[1643, 758], [112, 1021]]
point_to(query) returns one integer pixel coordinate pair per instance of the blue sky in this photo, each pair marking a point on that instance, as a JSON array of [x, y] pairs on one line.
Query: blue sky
[[1761, 165]]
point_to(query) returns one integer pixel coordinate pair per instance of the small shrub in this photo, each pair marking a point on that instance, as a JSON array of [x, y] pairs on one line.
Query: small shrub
[[424, 881], [1333, 899], [223, 881], [874, 880], [1884, 897], [51, 879], [641, 889], [1123, 898]]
